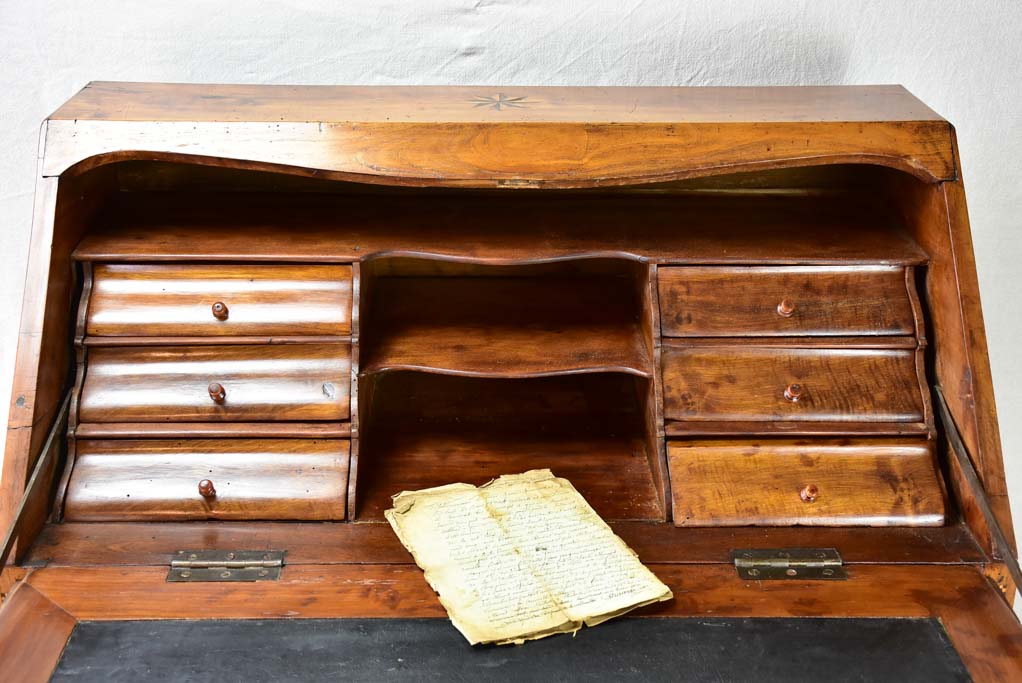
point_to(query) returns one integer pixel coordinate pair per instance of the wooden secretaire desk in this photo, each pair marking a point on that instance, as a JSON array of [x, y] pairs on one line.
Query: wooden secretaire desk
[[728, 316]]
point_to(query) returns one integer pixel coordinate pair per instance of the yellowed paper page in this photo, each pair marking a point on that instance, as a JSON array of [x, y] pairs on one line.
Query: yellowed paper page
[[521, 557]]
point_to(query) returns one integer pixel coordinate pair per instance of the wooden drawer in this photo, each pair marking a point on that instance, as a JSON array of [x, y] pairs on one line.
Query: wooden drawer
[[864, 482], [252, 478], [256, 300], [783, 383], [718, 301], [265, 382]]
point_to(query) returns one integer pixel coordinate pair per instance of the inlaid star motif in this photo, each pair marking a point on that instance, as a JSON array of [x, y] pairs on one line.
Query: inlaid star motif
[[500, 101]]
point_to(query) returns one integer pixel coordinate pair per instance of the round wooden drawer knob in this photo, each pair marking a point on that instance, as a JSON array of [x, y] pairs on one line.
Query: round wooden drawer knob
[[217, 392], [786, 308], [809, 493], [220, 311], [793, 392], [206, 489]]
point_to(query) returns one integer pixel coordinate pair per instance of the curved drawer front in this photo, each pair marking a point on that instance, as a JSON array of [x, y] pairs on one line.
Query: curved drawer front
[[219, 300], [719, 301], [864, 482], [782, 383], [240, 479], [211, 383]]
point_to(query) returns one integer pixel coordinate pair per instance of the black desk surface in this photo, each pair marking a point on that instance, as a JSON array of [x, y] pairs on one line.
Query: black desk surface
[[648, 649]]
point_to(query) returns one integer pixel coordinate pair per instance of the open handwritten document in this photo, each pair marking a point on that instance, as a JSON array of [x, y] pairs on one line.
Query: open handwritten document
[[521, 557]]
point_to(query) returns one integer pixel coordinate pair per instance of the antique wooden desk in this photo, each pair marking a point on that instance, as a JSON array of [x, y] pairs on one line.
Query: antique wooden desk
[[726, 315]]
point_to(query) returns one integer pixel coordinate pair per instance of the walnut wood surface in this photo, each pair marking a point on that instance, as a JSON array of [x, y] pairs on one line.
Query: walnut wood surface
[[297, 151], [937, 217], [612, 474], [425, 430], [748, 383], [253, 479], [819, 482], [505, 326], [137, 543], [220, 341], [60, 216], [778, 301], [590, 136], [318, 591], [275, 382], [980, 624], [177, 300], [783, 228], [122, 101], [256, 430], [793, 428], [33, 631], [10, 577]]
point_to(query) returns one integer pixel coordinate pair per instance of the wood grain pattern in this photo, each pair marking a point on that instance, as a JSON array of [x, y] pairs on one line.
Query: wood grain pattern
[[10, 577], [502, 155], [505, 326], [749, 383], [60, 217], [591, 136], [382, 590], [612, 474], [138, 543], [198, 430], [220, 341], [253, 479], [121, 101], [656, 451], [117, 543], [753, 301], [33, 631], [285, 382], [936, 216], [176, 300], [62, 213], [819, 482], [783, 228], [425, 430], [794, 428], [982, 626]]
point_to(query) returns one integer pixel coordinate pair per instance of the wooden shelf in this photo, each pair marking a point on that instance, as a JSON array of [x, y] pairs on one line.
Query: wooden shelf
[[710, 227], [426, 430], [504, 326], [611, 473]]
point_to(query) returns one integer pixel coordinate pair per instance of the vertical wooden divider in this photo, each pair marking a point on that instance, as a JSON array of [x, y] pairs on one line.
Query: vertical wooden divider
[[356, 288], [656, 449], [920, 326], [81, 357]]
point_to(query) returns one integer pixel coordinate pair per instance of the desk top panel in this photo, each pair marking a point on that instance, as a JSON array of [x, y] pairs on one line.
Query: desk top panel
[[116, 101]]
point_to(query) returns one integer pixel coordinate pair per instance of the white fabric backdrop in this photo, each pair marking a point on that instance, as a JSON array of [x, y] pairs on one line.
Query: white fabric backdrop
[[962, 58]]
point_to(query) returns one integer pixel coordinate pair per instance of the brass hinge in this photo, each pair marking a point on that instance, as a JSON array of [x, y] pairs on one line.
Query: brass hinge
[[226, 565], [759, 564]]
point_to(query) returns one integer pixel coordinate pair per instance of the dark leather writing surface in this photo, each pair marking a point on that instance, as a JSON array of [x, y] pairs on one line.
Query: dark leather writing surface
[[648, 649]]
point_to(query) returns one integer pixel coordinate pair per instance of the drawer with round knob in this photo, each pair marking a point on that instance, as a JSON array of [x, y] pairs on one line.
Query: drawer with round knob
[[779, 383], [293, 382], [823, 482], [182, 479], [219, 300], [753, 301]]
